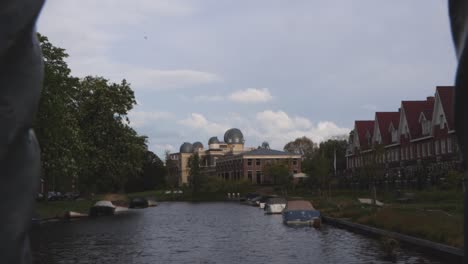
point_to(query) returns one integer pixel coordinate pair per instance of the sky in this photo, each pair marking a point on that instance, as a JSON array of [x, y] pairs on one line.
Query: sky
[[275, 69]]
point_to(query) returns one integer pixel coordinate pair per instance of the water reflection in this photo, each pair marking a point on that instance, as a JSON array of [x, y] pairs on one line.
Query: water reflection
[[203, 233]]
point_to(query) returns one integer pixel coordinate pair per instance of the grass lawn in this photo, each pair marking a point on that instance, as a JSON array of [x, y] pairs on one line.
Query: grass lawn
[[436, 215]]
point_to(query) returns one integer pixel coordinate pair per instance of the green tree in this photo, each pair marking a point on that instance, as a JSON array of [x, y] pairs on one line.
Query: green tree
[[56, 123], [195, 175], [153, 175], [114, 151], [303, 146]]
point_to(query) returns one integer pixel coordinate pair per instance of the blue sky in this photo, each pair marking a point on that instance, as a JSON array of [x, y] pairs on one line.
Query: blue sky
[[275, 69]]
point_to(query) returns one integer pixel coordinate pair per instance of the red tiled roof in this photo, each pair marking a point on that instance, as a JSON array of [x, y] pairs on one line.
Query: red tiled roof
[[413, 110], [384, 119], [362, 126], [446, 97]]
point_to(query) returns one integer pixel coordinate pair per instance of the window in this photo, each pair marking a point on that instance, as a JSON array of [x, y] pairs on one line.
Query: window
[[397, 155], [249, 175], [441, 120], [418, 150], [436, 147], [429, 153], [294, 162], [449, 145], [295, 171], [257, 162], [411, 152], [424, 150], [442, 146], [249, 162], [402, 154], [258, 177]]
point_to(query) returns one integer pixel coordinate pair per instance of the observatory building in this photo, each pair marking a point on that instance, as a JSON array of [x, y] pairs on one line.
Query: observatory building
[[228, 159]]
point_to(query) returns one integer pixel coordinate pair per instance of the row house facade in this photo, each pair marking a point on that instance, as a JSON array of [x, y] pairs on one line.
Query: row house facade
[[414, 144]]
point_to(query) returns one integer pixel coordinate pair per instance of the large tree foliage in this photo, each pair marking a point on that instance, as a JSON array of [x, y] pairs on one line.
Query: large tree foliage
[[303, 146], [153, 176], [56, 123], [196, 180], [83, 130]]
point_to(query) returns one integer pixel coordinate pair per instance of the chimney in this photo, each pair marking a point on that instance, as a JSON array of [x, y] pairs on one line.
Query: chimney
[[430, 99]]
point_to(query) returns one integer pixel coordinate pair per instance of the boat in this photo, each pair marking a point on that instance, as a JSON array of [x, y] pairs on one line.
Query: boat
[[138, 203], [275, 205], [102, 208], [152, 202], [248, 197], [301, 212], [263, 200], [74, 215]]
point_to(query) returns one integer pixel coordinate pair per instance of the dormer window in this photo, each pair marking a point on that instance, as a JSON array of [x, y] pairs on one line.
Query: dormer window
[[441, 121]]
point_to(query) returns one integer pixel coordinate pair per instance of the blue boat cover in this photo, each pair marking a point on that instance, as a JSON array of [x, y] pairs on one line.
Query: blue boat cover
[[300, 215]]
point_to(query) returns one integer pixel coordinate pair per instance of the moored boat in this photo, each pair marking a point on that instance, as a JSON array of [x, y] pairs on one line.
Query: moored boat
[[275, 205], [102, 208], [301, 212], [138, 203], [263, 200], [152, 202]]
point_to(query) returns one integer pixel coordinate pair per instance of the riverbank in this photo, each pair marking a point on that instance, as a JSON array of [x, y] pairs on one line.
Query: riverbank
[[57, 209], [436, 216]]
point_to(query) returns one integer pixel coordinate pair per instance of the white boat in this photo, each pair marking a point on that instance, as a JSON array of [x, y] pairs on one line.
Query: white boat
[[275, 205]]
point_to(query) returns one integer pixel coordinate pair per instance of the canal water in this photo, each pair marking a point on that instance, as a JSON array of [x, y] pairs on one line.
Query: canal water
[[177, 232]]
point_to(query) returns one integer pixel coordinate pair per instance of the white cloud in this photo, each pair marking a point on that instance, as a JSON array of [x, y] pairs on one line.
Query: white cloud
[[278, 128], [145, 118], [199, 122], [251, 95]]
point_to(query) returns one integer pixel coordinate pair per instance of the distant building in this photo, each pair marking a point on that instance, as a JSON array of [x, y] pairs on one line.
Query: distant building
[[230, 160]]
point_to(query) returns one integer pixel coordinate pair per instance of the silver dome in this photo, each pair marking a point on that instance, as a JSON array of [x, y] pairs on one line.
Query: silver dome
[[213, 140], [234, 136], [197, 145], [186, 148]]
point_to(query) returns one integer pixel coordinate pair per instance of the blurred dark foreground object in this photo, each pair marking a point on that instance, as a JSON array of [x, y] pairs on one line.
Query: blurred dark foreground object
[[458, 11], [21, 75]]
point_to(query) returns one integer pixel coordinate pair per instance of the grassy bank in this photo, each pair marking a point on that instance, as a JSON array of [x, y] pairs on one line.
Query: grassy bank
[[58, 208], [436, 216]]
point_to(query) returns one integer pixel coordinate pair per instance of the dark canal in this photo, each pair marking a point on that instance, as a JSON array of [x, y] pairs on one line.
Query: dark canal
[[203, 233]]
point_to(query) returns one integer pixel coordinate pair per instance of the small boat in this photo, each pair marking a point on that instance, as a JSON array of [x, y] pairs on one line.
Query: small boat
[[74, 215], [138, 203], [248, 197], [102, 208], [152, 202], [301, 213], [275, 205], [263, 200], [255, 201]]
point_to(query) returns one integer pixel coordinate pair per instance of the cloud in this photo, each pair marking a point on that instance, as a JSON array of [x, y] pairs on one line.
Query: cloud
[[278, 128], [199, 122], [251, 95], [144, 118]]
